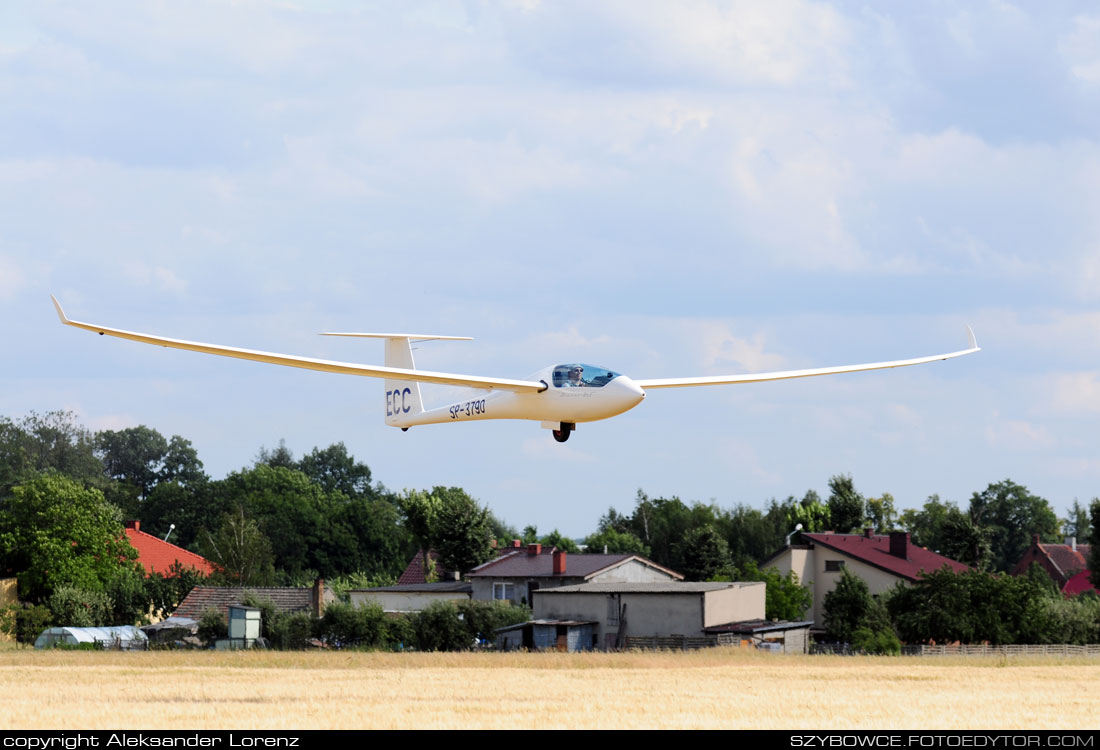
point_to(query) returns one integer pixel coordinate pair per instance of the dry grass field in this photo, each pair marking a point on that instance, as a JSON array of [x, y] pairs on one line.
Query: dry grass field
[[716, 688]]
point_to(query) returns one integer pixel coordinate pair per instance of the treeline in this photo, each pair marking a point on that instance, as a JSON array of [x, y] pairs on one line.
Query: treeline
[[705, 541]]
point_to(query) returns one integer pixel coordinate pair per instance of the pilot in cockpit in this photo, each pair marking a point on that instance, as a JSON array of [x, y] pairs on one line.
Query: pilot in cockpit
[[575, 380]]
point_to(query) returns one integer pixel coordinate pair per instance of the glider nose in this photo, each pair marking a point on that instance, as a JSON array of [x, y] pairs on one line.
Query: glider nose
[[627, 392]]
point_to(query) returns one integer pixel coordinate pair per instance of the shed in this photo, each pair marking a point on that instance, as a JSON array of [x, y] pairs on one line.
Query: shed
[[559, 635], [125, 637]]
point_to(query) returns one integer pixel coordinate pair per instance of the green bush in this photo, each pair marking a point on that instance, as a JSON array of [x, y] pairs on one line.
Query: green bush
[[439, 628], [870, 641], [73, 607], [483, 618], [348, 626], [212, 626], [24, 622], [291, 631]]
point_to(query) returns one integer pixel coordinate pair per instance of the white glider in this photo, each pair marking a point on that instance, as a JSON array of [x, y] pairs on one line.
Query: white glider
[[558, 396]]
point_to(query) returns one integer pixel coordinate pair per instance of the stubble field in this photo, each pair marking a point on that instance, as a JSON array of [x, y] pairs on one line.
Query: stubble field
[[714, 688]]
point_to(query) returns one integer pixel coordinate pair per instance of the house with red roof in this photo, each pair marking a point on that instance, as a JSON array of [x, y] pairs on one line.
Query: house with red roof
[[1065, 563], [881, 560], [158, 556]]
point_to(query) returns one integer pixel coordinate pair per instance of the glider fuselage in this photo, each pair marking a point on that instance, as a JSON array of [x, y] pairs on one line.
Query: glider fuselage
[[591, 395]]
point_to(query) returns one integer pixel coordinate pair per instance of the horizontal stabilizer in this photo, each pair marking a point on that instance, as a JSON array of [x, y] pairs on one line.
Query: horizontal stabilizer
[[409, 336]]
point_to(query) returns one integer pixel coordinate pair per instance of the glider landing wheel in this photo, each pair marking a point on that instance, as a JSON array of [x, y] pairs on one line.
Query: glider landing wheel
[[563, 434]]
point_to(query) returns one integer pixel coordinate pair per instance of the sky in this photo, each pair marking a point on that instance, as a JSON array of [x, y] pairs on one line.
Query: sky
[[661, 189]]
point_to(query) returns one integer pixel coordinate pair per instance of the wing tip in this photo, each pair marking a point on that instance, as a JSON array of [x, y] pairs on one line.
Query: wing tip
[[971, 338], [60, 312]]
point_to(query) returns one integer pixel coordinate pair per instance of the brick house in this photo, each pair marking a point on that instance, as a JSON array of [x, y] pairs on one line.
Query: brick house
[[1063, 562]]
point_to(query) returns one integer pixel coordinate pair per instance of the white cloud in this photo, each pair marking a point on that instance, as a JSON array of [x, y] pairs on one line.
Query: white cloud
[[1075, 393], [1017, 435], [1080, 49]]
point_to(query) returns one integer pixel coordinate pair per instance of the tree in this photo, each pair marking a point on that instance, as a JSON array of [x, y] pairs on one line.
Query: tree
[[615, 542], [845, 504], [335, 470], [705, 555], [43, 442], [461, 531], [881, 513], [133, 456], [1094, 535], [925, 526], [849, 608], [420, 510], [55, 532], [963, 540], [240, 550], [280, 457], [813, 514], [559, 541], [1012, 515], [1077, 523], [785, 596]]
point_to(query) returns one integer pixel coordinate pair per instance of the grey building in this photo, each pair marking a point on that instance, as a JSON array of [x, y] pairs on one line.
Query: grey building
[[516, 576]]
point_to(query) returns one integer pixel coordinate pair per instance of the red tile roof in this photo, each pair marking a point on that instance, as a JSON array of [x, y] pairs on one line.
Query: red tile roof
[[875, 550], [157, 556], [1061, 561], [1079, 584], [414, 573]]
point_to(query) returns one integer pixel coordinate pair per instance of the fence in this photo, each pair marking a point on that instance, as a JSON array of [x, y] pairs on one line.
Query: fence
[[1038, 649]]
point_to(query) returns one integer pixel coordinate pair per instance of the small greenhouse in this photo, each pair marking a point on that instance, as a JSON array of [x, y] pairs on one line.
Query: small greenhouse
[[125, 637]]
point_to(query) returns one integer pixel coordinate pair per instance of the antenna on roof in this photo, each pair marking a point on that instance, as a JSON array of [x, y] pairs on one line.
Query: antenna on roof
[[170, 527], [797, 528]]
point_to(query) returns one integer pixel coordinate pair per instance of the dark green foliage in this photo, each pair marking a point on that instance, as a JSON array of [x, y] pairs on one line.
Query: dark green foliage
[[981, 607], [850, 607], [439, 628], [25, 622], [481, 619], [446, 626], [845, 504], [212, 627], [130, 597], [616, 542], [460, 530], [335, 470], [291, 631], [73, 607], [1012, 515], [348, 626], [47, 442], [1094, 536], [785, 596], [1076, 524], [54, 532], [704, 555], [165, 592], [882, 641], [240, 550], [559, 541]]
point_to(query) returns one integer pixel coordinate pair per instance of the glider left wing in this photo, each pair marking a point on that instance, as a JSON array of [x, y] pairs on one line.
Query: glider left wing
[[323, 365]]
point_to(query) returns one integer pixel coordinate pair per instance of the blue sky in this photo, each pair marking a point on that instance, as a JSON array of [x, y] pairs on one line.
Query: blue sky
[[664, 189]]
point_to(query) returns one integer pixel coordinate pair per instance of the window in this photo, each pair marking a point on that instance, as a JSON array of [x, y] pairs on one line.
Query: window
[[613, 611], [582, 376], [503, 591], [834, 566]]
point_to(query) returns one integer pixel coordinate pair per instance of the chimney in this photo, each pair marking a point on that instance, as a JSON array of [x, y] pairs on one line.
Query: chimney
[[867, 531], [135, 525], [559, 562], [534, 549], [517, 543], [1035, 540], [899, 544], [1071, 542], [318, 597]]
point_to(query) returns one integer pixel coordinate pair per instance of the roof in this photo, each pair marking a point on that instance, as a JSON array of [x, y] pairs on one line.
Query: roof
[[157, 555], [520, 564], [656, 587], [285, 599], [444, 587], [758, 626], [1067, 559], [414, 572], [1078, 584], [875, 551], [566, 623]]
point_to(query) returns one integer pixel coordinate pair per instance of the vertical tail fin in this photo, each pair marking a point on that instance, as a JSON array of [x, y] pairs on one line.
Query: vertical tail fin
[[402, 396]]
